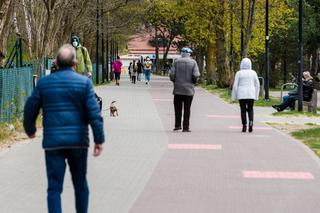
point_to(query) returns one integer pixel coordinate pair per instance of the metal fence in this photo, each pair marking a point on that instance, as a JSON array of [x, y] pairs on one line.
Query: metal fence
[[16, 85], [94, 73], [15, 88]]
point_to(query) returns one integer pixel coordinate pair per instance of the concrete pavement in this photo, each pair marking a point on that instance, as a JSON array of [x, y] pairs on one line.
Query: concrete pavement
[[148, 168]]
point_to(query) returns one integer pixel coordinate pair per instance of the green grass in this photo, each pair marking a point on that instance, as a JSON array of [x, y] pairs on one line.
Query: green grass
[[311, 124], [225, 94], [295, 113], [266, 103], [5, 133], [311, 137]]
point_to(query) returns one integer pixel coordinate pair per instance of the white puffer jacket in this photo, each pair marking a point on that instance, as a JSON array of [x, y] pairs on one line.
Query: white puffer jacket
[[246, 83]]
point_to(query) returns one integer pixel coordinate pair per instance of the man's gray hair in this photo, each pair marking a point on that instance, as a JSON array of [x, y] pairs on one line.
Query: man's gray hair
[[66, 56]]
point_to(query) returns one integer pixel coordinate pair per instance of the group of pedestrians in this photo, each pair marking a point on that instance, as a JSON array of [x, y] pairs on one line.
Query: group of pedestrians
[[68, 104], [137, 69]]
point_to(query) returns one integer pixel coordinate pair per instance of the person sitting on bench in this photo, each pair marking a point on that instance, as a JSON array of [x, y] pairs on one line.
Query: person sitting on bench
[[289, 100]]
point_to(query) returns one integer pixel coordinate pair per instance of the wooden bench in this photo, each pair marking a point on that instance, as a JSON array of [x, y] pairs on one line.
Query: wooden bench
[[311, 105]]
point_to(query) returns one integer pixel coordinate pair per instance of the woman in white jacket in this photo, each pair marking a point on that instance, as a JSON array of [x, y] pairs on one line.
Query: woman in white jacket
[[246, 89]]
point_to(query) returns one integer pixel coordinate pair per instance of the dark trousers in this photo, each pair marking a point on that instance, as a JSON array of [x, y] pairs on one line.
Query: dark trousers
[[117, 76], [288, 101], [185, 102], [246, 105], [133, 79], [56, 166]]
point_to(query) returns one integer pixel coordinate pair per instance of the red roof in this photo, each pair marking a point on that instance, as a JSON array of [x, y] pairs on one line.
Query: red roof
[[139, 44]]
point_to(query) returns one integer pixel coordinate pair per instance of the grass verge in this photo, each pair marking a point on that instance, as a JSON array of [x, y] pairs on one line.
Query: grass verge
[[13, 132], [9, 131], [225, 94], [295, 113], [311, 137]]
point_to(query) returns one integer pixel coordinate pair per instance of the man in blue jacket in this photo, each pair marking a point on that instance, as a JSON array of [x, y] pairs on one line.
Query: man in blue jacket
[[68, 104]]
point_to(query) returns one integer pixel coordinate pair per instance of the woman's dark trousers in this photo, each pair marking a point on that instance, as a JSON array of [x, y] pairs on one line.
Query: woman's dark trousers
[[185, 102], [133, 79], [56, 166], [288, 102], [246, 105]]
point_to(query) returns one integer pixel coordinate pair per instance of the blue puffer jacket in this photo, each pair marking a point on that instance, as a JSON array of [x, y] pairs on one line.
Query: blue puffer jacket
[[68, 102]]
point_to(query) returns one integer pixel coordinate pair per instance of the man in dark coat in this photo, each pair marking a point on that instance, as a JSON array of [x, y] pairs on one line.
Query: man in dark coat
[[68, 104]]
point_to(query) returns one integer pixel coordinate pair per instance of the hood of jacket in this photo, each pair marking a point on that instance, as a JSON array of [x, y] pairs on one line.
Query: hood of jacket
[[246, 64], [75, 38]]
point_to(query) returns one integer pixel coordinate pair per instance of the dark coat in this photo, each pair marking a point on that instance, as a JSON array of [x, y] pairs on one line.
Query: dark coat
[[68, 103], [307, 88]]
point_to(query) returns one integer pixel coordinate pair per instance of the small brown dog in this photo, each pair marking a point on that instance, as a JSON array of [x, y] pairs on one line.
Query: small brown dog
[[113, 109]]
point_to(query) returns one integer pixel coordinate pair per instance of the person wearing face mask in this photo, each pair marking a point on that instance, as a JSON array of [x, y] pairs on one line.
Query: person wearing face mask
[[84, 64]]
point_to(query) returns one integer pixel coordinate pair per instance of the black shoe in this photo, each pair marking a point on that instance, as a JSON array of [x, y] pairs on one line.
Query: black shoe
[[250, 126], [276, 108], [244, 128], [177, 128], [186, 130]]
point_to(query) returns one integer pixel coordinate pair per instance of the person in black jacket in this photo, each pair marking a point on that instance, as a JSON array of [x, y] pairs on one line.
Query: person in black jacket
[[307, 90]]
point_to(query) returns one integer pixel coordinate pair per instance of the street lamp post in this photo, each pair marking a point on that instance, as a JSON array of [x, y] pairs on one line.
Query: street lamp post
[[267, 67], [102, 47], [242, 27], [107, 51], [97, 47], [300, 60]]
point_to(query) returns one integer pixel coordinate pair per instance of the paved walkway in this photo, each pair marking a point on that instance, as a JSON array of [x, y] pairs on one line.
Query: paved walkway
[[148, 168]]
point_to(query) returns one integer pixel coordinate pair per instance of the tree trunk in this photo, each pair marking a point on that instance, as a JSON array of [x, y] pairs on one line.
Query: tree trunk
[[27, 26], [157, 50], [250, 25], [4, 10], [6, 13], [165, 56], [314, 62], [210, 64], [200, 62], [223, 69]]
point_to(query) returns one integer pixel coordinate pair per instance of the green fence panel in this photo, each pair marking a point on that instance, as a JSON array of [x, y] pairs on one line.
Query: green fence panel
[[16, 87], [94, 73]]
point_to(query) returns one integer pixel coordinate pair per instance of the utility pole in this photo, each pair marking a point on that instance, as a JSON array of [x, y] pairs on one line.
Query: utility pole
[[102, 47], [111, 56], [107, 51], [242, 28], [97, 47], [300, 60], [267, 67]]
